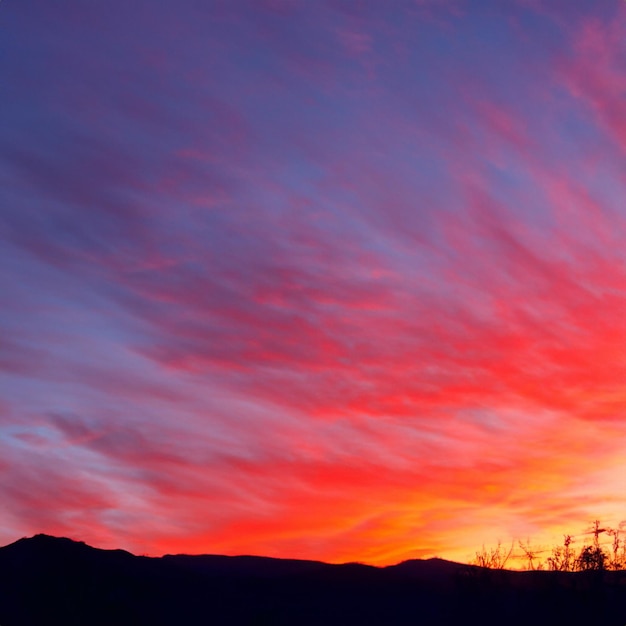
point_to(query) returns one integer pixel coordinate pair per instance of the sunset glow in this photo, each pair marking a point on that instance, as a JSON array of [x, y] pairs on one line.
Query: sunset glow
[[329, 280]]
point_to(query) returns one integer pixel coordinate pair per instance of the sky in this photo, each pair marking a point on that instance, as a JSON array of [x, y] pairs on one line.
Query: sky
[[326, 279]]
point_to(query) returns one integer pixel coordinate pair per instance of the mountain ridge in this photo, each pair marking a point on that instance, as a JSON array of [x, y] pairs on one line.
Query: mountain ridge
[[55, 580], [43, 538]]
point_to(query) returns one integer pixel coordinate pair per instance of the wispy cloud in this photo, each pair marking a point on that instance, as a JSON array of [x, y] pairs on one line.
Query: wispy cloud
[[322, 281]]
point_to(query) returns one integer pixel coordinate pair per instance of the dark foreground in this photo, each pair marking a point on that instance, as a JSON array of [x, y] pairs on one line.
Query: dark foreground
[[50, 581]]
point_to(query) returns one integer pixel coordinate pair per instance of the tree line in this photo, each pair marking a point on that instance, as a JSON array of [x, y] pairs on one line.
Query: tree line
[[592, 555]]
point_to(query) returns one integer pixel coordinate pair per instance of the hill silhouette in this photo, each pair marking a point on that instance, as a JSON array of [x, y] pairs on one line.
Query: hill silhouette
[[49, 580]]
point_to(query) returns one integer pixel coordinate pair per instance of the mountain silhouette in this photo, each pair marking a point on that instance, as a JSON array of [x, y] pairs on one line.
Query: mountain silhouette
[[49, 580]]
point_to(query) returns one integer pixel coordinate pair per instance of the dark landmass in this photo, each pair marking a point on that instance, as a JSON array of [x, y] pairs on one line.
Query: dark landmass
[[48, 581]]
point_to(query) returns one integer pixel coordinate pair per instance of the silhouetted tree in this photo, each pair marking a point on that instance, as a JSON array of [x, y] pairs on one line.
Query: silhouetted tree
[[617, 557], [494, 558], [530, 554], [562, 558], [591, 558]]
